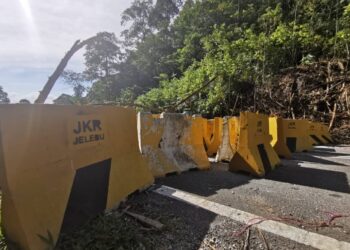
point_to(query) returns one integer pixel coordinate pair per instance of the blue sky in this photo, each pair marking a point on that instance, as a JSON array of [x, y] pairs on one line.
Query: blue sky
[[35, 34]]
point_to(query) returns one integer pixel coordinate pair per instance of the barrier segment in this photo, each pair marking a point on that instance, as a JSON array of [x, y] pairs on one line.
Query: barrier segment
[[61, 165], [278, 139], [296, 134], [325, 134], [192, 144], [150, 131], [172, 143], [254, 153], [315, 134], [212, 134], [228, 143]]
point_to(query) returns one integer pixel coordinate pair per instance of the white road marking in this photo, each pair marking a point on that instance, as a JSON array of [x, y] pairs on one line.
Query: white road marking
[[280, 229], [342, 157]]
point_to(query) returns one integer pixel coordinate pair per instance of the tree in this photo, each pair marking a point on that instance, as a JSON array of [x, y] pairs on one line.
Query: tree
[[172, 47], [24, 101], [77, 81], [138, 15], [3, 96], [64, 99], [102, 57]]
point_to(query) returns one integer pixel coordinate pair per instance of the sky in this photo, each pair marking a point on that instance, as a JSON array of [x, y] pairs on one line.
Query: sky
[[35, 35]]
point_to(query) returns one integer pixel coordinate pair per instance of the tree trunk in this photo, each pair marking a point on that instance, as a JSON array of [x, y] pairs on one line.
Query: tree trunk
[[60, 68]]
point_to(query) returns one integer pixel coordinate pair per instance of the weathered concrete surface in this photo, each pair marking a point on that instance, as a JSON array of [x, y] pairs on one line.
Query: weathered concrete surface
[[171, 143], [305, 188]]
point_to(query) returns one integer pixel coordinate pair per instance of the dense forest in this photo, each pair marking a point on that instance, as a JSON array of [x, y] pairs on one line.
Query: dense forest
[[217, 57]]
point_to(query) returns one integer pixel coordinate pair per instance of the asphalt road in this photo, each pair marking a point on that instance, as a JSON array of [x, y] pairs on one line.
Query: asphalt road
[[305, 188]]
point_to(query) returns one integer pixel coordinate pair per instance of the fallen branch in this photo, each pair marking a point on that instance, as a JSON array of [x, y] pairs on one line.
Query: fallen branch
[[172, 107], [145, 220], [60, 67]]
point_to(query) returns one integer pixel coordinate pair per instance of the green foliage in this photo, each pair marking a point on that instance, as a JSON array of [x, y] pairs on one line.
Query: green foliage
[[246, 50], [171, 48], [101, 92], [341, 40], [236, 64], [76, 80], [127, 97], [102, 57], [137, 14]]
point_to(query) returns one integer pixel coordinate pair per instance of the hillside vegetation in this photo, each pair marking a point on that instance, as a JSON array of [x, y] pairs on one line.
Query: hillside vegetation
[[217, 57]]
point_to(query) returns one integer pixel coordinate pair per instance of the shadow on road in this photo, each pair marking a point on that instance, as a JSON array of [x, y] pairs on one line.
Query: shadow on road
[[303, 157], [206, 183], [327, 153], [186, 224], [294, 173]]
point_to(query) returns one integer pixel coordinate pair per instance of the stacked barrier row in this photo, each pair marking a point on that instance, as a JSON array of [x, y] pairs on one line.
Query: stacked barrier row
[[61, 165]]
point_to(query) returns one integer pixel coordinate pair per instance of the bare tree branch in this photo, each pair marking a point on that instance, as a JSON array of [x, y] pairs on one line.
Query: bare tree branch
[[60, 68]]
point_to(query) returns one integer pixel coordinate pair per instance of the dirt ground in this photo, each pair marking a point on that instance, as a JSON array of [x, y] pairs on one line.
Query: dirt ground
[[185, 227]]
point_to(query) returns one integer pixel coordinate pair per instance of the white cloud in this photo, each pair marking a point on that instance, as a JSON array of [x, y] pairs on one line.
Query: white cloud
[[35, 34]]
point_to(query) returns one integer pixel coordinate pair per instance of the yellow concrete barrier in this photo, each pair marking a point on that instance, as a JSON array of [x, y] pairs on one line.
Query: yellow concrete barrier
[[191, 142], [212, 134], [254, 153], [315, 134], [150, 131], [319, 134], [325, 134], [61, 165], [278, 138], [228, 144], [172, 143], [296, 134]]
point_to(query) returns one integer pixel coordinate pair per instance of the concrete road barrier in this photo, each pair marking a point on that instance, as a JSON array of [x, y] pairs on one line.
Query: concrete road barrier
[[254, 153], [212, 135], [325, 134], [150, 132], [61, 165], [315, 134], [172, 143], [228, 145], [297, 135], [278, 138]]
